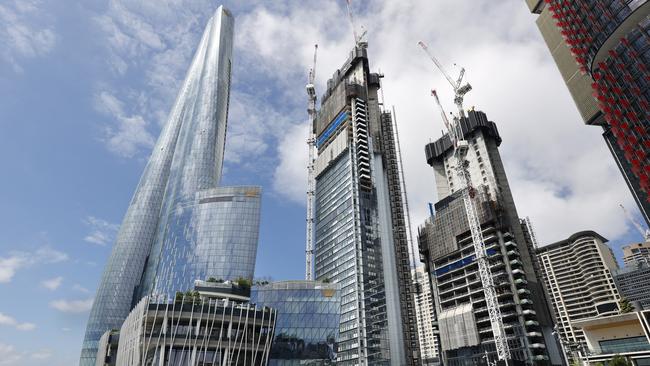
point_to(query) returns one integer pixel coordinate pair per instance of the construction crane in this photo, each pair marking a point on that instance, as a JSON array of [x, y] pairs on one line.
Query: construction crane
[[357, 37], [531, 232], [311, 184], [644, 233], [461, 146]]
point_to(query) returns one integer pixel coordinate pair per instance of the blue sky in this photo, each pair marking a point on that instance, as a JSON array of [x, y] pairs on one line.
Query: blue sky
[[86, 86]]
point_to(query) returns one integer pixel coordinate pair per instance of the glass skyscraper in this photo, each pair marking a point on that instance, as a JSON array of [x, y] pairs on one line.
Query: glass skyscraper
[[180, 225], [307, 325], [361, 238]]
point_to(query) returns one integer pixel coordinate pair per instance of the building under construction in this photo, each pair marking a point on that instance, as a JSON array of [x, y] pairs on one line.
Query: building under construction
[[361, 239], [448, 251]]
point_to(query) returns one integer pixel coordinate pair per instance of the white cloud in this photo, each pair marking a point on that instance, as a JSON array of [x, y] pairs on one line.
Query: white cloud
[[26, 32], [26, 326], [128, 134], [19, 259], [9, 355], [78, 287], [6, 320], [290, 176], [9, 266], [52, 283], [560, 171], [102, 232], [43, 354], [153, 40], [72, 306]]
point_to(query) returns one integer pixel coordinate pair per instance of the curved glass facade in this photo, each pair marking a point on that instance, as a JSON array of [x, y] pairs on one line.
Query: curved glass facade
[[213, 235], [307, 325], [187, 158]]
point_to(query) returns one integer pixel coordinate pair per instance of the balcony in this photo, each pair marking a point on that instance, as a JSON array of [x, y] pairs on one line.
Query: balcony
[[516, 262], [513, 252], [520, 281], [531, 323]]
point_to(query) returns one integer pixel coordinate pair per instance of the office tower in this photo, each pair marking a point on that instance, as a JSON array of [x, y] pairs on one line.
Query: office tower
[[636, 253], [600, 48], [360, 230], [180, 226], [447, 249], [426, 318], [308, 318], [633, 283], [577, 272], [212, 325]]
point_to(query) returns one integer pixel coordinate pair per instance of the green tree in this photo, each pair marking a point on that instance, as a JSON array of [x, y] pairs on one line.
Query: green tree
[[625, 305], [211, 279], [178, 297], [243, 283], [619, 360]]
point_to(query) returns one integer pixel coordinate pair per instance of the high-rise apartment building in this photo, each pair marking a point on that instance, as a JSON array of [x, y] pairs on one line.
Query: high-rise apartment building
[[426, 318], [636, 253], [601, 50], [578, 277], [360, 229], [181, 225], [447, 249]]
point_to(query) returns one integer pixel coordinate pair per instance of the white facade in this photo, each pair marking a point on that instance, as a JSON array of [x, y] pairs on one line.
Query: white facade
[[426, 318], [577, 273], [196, 331]]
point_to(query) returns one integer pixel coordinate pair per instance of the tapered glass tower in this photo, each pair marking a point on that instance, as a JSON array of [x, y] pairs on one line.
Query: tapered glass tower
[[180, 225]]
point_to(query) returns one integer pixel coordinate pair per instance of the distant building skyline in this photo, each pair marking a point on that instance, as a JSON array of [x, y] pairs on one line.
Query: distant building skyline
[[426, 318], [637, 252]]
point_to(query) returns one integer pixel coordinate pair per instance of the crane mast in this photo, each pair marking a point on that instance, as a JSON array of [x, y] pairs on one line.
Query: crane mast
[[645, 233], [461, 146], [311, 184]]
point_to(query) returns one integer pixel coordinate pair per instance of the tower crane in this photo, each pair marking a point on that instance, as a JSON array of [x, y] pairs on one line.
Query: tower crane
[[645, 233], [357, 37], [311, 184], [460, 146]]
